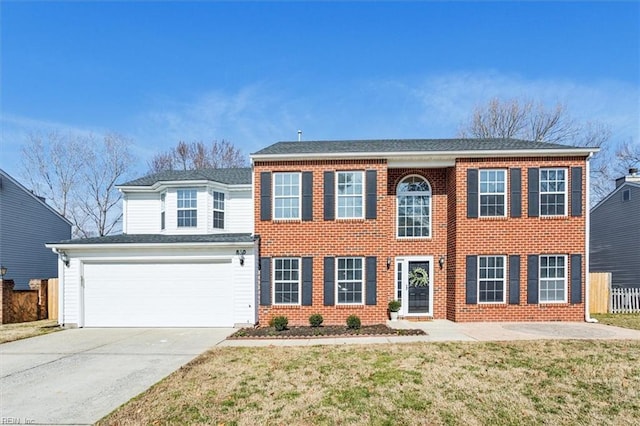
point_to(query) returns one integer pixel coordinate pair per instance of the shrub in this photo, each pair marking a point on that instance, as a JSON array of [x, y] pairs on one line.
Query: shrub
[[316, 320], [279, 323], [394, 306], [353, 322]]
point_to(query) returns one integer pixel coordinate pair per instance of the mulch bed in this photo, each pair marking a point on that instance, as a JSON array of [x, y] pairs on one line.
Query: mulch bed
[[322, 331]]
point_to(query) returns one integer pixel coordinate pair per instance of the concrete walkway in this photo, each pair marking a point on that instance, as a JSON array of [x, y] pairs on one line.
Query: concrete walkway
[[78, 376], [447, 331]]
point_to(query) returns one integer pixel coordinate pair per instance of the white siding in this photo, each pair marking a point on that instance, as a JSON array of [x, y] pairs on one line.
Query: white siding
[[142, 213], [70, 312], [244, 297], [240, 216]]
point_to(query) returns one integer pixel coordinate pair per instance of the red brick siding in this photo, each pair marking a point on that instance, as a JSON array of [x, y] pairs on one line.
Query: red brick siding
[[453, 236]]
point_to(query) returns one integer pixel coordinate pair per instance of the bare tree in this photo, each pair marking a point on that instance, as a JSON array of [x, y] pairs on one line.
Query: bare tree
[[198, 155], [524, 119], [78, 174]]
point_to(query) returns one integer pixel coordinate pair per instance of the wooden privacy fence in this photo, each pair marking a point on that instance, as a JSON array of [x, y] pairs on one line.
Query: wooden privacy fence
[[625, 300], [599, 290], [52, 298]]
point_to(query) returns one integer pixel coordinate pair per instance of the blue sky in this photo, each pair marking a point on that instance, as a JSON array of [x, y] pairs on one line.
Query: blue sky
[[254, 73]]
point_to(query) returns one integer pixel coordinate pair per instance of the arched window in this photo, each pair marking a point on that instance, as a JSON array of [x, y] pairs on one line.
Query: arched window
[[414, 207]]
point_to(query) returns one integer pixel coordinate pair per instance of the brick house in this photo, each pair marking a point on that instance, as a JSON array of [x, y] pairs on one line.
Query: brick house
[[467, 230]]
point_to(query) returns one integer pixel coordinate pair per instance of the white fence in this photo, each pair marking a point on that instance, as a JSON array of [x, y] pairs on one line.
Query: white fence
[[624, 300]]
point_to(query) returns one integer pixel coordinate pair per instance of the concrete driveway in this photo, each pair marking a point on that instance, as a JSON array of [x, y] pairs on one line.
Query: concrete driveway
[[78, 376]]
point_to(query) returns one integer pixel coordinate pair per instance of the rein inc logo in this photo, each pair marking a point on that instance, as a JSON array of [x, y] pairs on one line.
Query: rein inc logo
[[16, 421]]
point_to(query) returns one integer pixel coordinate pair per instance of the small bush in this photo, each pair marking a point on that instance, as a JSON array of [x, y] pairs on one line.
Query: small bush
[[394, 306], [353, 322], [279, 323], [316, 320]]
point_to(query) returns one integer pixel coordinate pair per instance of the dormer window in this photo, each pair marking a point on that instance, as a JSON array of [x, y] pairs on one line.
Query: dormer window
[[187, 208], [218, 210]]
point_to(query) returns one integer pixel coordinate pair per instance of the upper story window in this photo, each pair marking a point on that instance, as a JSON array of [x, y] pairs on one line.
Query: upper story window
[[350, 195], [626, 195], [286, 197], [187, 208], [414, 207], [218, 210], [163, 206], [553, 279], [553, 192], [493, 193]]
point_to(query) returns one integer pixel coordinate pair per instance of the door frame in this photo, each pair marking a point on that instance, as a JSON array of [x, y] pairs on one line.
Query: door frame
[[404, 260]]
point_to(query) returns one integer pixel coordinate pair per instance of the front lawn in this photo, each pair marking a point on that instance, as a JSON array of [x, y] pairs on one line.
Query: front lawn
[[526, 382], [619, 320], [23, 330]]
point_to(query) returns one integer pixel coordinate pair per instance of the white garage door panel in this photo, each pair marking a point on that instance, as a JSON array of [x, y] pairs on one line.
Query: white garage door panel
[[158, 295]]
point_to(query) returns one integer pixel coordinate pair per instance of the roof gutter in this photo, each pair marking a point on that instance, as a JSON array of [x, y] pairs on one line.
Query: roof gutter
[[427, 154], [93, 246]]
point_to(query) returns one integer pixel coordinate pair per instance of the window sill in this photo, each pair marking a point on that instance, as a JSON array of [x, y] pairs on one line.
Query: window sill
[[283, 306], [294, 220], [349, 306], [350, 219], [414, 238], [556, 217], [495, 217]]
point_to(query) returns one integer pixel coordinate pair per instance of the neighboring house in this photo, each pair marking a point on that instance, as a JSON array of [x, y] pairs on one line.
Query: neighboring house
[[27, 222], [185, 258], [615, 233], [467, 230]]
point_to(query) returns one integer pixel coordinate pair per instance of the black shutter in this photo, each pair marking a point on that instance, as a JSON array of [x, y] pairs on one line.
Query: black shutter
[[514, 280], [329, 195], [532, 279], [307, 196], [307, 281], [329, 281], [372, 194], [472, 193], [515, 186], [576, 191], [576, 278], [265, 196], [534, 192], [265, 281], [472, 280], [371, 280]]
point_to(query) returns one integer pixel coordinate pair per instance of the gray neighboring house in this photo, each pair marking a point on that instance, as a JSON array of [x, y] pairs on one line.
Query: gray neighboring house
[[27, 222], [615, 233]]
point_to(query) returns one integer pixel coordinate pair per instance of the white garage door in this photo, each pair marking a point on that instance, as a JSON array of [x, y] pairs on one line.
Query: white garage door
[[158, 295]]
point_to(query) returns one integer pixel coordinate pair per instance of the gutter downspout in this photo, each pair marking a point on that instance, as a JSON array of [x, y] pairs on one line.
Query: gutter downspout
[[587, 281]]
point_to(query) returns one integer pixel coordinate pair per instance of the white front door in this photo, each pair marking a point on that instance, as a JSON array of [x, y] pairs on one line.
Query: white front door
[[413, 285]]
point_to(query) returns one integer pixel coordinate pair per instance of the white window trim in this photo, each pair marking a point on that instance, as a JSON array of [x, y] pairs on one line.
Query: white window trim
[[364, 281], [362, 195], [178, 209], [274, 197], [566, 191], [506, 191], [566, 279], [273, 280], [214, 209], [431, 210], [504, 280]]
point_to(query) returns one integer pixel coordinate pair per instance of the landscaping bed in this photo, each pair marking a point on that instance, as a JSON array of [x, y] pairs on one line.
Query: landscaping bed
[[305, 332]]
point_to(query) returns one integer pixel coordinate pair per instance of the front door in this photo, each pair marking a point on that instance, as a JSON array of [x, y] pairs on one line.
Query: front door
[[414, 286]]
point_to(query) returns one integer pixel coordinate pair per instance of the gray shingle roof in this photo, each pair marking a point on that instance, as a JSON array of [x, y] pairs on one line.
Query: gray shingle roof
[[405, 145], [233, 176], [161, 239]]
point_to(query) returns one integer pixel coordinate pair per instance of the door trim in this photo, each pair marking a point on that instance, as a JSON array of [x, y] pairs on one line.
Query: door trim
[[404, 260]]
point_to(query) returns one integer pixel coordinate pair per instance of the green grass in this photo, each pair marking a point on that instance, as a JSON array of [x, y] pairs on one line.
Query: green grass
[[619, 320], [526, 382]]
